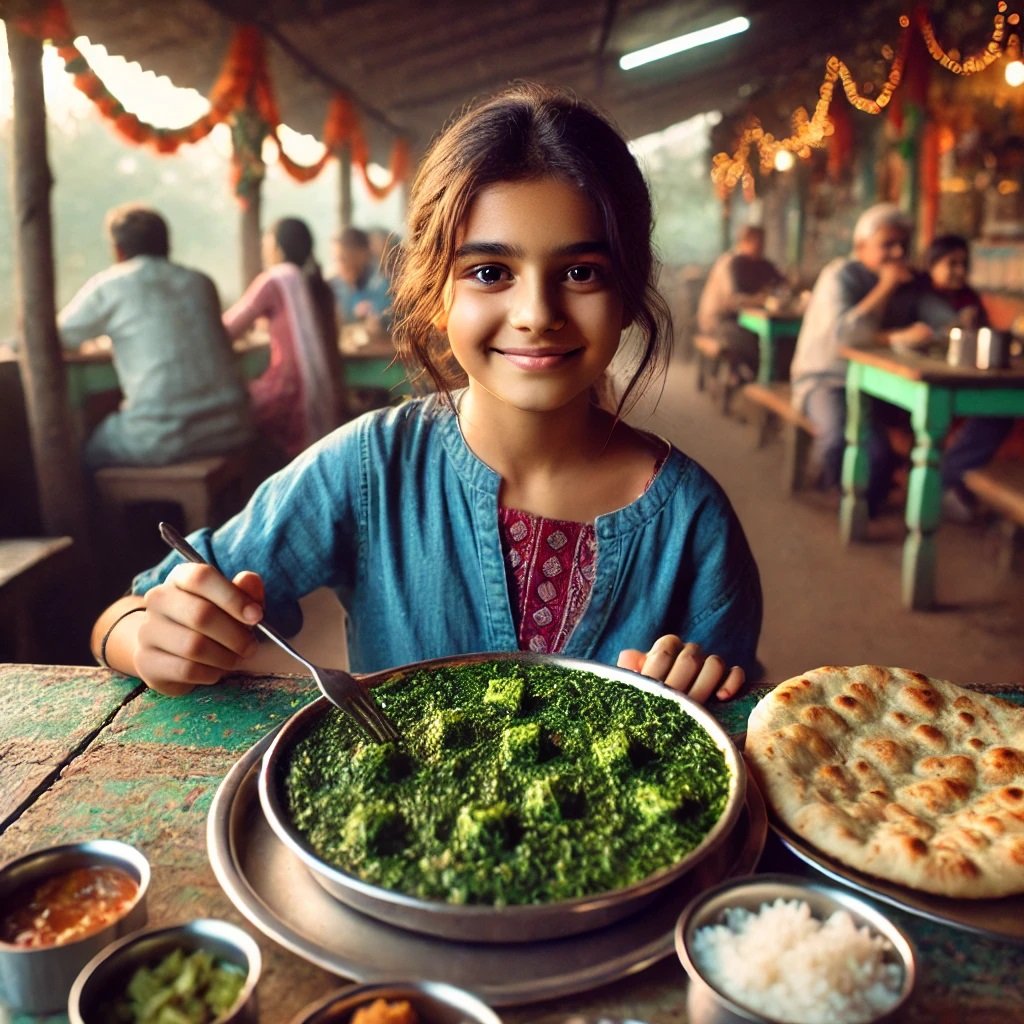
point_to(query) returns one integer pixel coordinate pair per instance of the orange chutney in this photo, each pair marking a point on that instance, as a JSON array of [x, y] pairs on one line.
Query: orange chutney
[[68, 906]]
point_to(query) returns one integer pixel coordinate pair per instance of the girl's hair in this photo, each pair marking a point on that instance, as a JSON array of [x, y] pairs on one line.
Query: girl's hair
[[295, 241], [524, 133], [941, 246]]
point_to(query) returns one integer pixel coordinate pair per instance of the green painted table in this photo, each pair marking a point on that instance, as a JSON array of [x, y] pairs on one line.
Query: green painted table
[[85, 753], [933, 393], [92, 374], [770, 328]]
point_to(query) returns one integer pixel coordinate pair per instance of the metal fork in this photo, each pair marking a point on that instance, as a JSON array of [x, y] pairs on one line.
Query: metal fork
[[341, 688]]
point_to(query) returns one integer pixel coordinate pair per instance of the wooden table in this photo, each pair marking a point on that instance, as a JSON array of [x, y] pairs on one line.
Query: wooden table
[[85, 753], [770, 328], [933, 393]]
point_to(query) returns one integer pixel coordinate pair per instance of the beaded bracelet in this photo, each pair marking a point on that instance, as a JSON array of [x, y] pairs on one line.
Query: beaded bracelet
[[102, 657]]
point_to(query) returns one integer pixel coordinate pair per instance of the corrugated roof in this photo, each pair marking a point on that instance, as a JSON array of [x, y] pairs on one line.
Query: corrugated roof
[[410, 64]]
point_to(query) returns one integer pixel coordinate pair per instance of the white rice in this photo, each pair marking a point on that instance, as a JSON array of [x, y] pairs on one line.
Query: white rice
[[785, 964]]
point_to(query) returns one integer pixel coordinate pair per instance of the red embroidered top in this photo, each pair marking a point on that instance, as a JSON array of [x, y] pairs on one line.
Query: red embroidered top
[[551, 565]]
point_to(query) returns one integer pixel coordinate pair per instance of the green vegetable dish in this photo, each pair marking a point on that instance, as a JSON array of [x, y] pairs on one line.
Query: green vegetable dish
[[518, 783], [183, 988]]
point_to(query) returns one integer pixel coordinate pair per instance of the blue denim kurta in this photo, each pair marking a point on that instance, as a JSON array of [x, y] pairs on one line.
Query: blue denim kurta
[[399, 517]]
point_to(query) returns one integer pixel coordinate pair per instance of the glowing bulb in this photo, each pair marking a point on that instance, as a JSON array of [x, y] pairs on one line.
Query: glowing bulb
[[1014, 72], [784, 160]]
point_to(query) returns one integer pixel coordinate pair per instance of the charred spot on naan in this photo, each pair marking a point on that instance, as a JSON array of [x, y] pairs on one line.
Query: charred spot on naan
[[936, 796], [955, 766], [824, 719], [909, 824], [885, 753], [1001, 765], [930, 736]]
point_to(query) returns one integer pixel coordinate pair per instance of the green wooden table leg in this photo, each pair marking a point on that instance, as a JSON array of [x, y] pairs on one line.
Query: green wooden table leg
[[766, 351], [930, 418], [853, 510]]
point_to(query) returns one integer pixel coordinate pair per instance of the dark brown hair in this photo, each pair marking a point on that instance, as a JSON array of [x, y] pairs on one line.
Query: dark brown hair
[[523, 133], [136, 230]]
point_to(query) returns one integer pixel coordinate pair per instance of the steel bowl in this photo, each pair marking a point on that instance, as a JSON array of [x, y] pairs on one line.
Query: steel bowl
[[707, 1003], [38, 980], [434, 1002], [106, 976], [477, 923]]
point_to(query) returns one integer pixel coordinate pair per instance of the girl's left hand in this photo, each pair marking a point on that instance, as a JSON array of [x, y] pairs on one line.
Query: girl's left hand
[[686, 668]]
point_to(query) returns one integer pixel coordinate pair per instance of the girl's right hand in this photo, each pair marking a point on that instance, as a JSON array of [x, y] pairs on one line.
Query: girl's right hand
[[197, 628]]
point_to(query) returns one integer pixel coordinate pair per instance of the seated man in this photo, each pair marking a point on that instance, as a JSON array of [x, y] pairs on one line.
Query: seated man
[[183, 393], [360, 290], [870, 298], [739, 277]]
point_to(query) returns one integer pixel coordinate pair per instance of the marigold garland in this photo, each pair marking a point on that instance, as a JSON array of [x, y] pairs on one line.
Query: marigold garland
[[731, 169], [242, 95]]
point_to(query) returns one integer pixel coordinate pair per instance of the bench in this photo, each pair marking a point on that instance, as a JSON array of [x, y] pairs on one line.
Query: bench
[[207, 490], [772, 405], [1000, 485], [29, 568], [713, 373]]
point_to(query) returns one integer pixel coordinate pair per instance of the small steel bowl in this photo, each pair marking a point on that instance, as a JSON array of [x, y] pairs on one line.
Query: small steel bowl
[[434, 1002], [106, 976], [706, 1004], [38, 980]]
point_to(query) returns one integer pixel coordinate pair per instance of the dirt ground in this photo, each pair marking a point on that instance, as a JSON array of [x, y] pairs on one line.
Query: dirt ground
[[830, 604]]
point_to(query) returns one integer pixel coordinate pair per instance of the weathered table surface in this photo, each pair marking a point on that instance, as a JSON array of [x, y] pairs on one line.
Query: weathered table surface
[[87, 754]]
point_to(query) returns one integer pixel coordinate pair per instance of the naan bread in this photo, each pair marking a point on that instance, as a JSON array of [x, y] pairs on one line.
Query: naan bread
[[907, 778]]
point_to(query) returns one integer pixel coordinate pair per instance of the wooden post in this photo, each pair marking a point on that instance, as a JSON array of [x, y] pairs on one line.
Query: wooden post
[[251, 255], [345, 186], [60, 480]]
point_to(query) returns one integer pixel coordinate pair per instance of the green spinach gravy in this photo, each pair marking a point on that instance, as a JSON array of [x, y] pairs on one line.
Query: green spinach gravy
[[517, 783]]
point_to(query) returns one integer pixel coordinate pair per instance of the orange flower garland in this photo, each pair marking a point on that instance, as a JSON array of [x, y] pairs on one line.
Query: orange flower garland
[[242, 92]]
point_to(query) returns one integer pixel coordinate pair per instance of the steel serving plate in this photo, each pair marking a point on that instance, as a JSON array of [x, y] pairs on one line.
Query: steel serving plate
[[519, 923], [269, 886], [999, 918]]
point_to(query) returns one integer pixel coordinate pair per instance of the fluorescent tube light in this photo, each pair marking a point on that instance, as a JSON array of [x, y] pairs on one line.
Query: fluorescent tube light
[[687, 42]]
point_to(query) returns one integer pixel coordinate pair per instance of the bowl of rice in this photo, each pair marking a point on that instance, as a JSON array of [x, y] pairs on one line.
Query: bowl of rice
[[779, 949]]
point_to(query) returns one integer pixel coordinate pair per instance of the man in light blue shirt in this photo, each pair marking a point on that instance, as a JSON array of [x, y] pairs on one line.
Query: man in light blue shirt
[[184, 396]]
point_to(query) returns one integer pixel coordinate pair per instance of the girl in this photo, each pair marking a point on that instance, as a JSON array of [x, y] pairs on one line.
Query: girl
[[509, 510], [296, 400]]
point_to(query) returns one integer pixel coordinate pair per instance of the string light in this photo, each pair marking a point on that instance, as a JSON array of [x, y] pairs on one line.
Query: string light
[[731, 169]]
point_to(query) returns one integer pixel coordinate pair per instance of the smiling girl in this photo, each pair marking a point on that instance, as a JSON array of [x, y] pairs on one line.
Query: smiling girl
[[513, 508]]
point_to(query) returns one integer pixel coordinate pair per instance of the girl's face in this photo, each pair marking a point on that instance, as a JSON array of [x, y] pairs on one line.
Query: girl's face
[[950, 273], [534, 312]]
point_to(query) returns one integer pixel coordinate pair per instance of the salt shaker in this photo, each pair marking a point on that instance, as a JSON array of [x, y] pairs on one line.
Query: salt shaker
[[993, 349]]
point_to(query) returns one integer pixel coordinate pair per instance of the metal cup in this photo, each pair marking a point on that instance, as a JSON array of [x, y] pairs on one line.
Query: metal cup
[[993, 352], [963, 342]]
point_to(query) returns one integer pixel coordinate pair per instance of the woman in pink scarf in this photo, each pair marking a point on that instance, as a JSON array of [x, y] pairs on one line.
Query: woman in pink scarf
[[297, 399]]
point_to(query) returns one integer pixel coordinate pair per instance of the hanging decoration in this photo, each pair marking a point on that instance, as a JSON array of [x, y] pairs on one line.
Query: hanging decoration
[[731, 169], [242, 96]]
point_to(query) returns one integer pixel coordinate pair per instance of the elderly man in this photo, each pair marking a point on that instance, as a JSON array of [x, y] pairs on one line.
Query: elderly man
[[740, 277], [183, 394], [870, 298]]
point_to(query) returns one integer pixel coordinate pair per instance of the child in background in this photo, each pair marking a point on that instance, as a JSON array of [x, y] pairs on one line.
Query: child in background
[[977, 439], [510, 510]]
